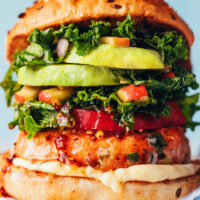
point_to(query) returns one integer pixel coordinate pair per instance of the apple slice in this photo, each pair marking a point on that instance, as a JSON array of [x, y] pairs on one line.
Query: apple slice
[[56, 95], [26, 93], [132, 92], [116, 41]]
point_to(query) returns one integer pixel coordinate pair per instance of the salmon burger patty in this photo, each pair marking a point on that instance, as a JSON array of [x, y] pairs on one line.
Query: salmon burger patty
[[103, 150]]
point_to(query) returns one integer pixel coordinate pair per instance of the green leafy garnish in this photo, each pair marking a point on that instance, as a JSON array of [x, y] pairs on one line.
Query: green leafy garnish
[[125, 29], [31, 127], [40, 50], [171, 46], [158, 141], [177, 83], [9, 85], [189, 107], [34, 116], [133, 157], [85, 42]]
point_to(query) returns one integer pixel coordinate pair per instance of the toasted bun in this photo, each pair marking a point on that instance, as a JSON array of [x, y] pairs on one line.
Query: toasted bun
[[27, 185], [52, 13]]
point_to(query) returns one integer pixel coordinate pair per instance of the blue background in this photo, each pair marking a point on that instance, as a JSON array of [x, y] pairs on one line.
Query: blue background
[[9, 11]]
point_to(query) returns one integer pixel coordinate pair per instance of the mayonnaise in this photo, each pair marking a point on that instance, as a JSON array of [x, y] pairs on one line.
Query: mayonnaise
[[115, 178]]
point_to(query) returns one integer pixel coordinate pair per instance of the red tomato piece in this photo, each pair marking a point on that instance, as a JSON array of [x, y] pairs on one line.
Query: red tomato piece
[[101, 120]]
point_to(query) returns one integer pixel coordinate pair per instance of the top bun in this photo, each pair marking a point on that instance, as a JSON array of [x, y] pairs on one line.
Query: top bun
[[52, 13]]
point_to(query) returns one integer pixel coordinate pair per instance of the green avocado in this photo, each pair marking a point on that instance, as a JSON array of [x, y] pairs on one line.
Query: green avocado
[[118, 57], [67, 75]]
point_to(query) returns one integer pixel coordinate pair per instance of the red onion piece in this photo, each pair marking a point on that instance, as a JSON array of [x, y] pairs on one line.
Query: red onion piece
[[62, 47], [62, 120]]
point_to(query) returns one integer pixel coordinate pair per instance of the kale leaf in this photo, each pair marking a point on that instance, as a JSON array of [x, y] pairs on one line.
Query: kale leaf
[[176, 83], [9, 85], [34, 116], [189, 107], [133, 157], [40, 50], [171, 46], [86, 41], [125, 29]]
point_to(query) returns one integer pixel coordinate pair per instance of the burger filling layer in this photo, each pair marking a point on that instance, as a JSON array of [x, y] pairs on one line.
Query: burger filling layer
[[103, 97], [71, 76]]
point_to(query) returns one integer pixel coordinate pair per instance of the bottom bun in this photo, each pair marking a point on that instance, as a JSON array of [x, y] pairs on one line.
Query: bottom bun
[[23, 184]]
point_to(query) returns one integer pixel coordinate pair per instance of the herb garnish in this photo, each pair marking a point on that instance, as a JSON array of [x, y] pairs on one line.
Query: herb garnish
[[9, 85], [133, 157], [158, 141]]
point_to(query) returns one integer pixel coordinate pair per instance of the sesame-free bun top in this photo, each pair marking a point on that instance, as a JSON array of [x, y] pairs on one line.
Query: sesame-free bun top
[[52, 13]]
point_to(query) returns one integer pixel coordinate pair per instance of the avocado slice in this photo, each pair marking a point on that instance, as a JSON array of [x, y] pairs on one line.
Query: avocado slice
[[67, 75], [118, 57]]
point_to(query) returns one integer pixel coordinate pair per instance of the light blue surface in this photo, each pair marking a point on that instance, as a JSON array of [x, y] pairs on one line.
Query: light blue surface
[[9, 11], [195, 195]]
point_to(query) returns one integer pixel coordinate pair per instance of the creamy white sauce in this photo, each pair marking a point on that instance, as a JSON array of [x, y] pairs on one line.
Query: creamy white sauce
[[113, 179]]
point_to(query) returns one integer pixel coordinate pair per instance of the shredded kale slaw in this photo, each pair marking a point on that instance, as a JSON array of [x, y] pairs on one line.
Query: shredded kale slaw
[[35, 115]]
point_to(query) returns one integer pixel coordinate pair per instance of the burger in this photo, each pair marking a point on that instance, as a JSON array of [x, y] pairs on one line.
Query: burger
[[101, 101]]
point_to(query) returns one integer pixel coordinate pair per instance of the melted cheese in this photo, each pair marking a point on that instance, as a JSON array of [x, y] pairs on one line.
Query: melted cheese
[[113, 179]]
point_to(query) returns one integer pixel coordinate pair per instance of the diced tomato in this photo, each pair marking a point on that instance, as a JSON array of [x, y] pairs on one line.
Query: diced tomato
[[96, 120], [132, 92], [168, 75], [116, 41]]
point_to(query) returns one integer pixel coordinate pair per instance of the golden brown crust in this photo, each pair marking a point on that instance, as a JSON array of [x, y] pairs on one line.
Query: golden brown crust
[[27, 185], [52, 13]]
